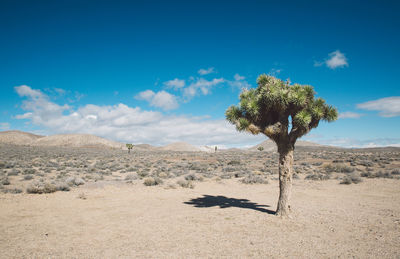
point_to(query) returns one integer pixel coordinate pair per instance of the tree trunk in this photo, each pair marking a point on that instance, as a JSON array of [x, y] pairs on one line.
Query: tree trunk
[[285, 180]]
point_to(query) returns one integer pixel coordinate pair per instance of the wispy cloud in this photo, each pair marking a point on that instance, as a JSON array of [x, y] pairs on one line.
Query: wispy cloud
[[128, 124], [198, 86], [349, 115], [201, 86], [175, 83], [40, 107], [239, 82], [161, 99], [335, 60], [206, 71], [387, 107]]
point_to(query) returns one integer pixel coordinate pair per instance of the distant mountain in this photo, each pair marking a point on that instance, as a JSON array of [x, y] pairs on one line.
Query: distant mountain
[[180, 146], [144, 147], [76, 140], [269, 145], [17, 137]]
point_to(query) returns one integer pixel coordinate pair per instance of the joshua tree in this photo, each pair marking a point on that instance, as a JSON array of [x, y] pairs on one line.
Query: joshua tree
[[260, 148], [129, 147], [283, 112], [215, 149]]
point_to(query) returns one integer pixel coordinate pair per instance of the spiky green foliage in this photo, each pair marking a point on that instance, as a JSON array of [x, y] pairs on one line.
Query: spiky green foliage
[[129, 147], [274, 104]]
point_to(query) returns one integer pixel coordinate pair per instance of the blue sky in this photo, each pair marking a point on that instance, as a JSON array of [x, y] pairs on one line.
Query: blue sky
[[159, 72]]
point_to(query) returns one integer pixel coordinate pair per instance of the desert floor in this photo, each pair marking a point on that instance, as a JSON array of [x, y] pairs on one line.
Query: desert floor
[[215, 219]]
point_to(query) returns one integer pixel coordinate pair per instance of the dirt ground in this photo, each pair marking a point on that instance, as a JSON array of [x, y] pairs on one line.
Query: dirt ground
[[215, 219]]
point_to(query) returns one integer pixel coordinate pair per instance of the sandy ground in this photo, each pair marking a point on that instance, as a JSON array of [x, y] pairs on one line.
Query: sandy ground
[[226, 219]]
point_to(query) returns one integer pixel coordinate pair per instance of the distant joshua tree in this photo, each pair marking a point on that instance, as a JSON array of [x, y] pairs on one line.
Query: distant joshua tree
[[129, 147], [215, 149], [260, 148], [284, 113]]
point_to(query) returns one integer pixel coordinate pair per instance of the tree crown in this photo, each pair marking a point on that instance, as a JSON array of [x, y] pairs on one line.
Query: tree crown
[[274, 104]]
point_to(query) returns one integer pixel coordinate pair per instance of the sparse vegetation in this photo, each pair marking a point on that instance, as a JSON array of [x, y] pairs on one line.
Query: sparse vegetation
[[40, 187], [254, 179], [68, 168], [317, 177], [185, 183], [150, 181], [349, 179]]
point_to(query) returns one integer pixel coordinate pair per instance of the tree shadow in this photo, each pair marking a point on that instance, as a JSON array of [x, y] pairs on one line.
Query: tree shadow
[[224, 202]]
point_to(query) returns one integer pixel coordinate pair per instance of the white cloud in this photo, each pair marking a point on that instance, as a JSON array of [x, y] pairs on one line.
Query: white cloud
[[175, 84], [123, 123], [201, 86], [387, 107], [145, 95], [165, 100], [4, 126], [161, 99], [39, 105], [336, 60], [238, 77], [349, 115], [206, 71]]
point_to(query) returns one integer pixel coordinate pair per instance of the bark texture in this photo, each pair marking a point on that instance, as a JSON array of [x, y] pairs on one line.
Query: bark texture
[[285, 180]]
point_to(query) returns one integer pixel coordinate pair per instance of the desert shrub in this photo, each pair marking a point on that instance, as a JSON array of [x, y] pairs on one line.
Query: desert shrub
[[317, 177], [349, 179], [39, 187], [142, 173], [191, 177], [338, 168], [346, 180], [230, 169], [381, 174], [241, 174], [185, 183], [150, 181], [5, 181], [62, 187], [131, 177], [163, 175], [396, 172], [75, 181], [13, 190], [28, 177], [366, 163], [226, 176], [234, 162], [9, 165], [13, 172], [29, 171], [254, 179], [317, 164]]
